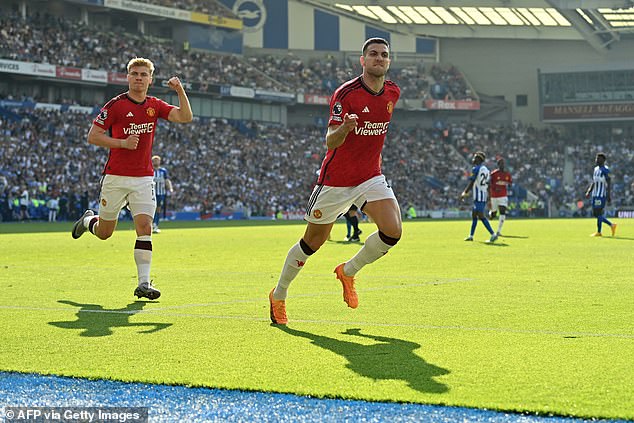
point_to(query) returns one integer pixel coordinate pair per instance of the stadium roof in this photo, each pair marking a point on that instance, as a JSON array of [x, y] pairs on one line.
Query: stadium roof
[[599, 22]]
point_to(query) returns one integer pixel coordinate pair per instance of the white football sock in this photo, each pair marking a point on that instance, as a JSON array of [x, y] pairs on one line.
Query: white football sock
[[86, 223], [373, 249], [295, 260], [502, 219], [143, 260]]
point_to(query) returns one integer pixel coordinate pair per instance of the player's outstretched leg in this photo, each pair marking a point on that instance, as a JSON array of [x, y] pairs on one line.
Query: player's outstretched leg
[[487, 225], [375, 247], [610, 224], [295, 260]]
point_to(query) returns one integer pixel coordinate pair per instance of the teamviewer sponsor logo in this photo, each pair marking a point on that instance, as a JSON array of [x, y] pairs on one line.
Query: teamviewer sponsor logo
[[136, 129], [372, 128]]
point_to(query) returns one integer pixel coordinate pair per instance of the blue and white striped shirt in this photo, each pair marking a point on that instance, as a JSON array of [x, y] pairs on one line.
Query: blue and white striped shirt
[[480, 177], [160, 176], [600, 181]]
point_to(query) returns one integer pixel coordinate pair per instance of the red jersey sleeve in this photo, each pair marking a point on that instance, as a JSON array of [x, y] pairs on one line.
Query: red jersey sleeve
[[164, 108], [106, 117], [338, 104]]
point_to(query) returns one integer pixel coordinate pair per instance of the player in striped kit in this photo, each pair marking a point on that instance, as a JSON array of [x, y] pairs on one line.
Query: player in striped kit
[[360, 114], [600, 189], [126, 126], [162, 185], [479, 186]]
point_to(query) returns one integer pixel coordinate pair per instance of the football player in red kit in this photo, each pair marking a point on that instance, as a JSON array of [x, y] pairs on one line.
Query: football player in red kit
[[360, 113], [500, 182], [126, 125]]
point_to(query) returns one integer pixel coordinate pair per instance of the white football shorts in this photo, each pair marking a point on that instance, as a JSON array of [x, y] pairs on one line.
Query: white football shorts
[[496, 202], [117, 191], [327, 203]]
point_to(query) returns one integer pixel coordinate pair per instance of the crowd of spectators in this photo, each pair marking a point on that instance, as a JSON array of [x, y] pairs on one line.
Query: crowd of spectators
[[43, 38], [221, 166], [324, 75], [55, 40]]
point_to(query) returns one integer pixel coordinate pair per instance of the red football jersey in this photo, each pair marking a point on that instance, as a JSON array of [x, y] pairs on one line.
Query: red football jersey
[[499, 181], [122, 117], [359, 157]]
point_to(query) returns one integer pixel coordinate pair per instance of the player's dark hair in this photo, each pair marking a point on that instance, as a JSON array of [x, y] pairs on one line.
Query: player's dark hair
[[481, 155], [375, 40], [602, 155]]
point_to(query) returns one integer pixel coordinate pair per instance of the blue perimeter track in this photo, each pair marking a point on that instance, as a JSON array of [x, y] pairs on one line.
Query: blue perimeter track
[[183, 404]]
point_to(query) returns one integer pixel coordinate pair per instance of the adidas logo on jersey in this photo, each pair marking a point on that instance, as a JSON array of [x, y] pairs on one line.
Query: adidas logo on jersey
[[365, 110], [129, 114]]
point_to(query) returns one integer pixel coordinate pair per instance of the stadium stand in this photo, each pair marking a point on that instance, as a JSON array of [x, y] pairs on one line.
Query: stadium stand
[[49, 39], [220, 166], [44, 38]]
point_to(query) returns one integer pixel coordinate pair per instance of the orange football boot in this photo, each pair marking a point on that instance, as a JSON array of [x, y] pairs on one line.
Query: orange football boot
[[349, 293], [278, 310]]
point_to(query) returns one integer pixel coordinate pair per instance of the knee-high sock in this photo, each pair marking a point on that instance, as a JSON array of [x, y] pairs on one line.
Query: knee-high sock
[[605, 220], [501, 222], [599, 222], [143, 257], [92, 223], [373, 249], [295, 260], [474, 223]]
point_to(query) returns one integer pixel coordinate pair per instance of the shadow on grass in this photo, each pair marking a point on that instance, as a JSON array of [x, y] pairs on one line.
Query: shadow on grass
[[619, 238], [513, 236], [497, 243], [387, 359], [98, 321]]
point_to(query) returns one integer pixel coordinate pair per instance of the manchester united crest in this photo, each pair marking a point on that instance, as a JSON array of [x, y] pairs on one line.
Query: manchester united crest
[[390, 107], [150, 111], [317, 214], [104, 202]]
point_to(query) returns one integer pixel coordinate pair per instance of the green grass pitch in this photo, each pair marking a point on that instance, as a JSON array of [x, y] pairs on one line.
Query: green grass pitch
[[541, 321]]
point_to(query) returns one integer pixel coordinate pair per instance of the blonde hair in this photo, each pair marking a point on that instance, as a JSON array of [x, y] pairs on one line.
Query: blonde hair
[[140, 61]]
